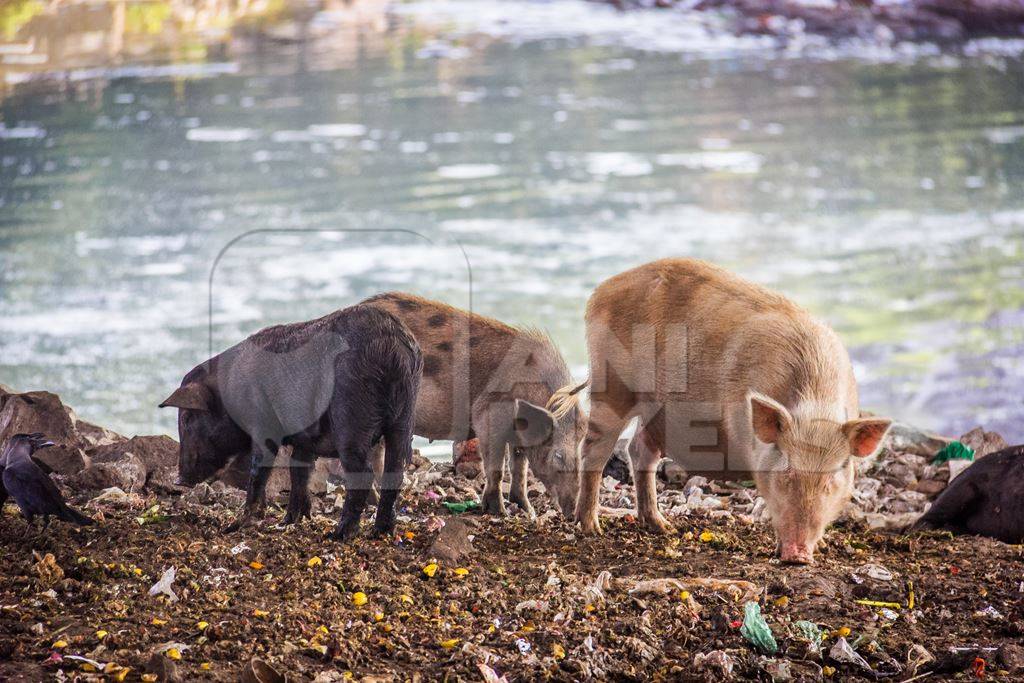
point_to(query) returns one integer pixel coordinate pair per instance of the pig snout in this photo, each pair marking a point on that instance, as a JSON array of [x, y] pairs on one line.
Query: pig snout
[[567, 502], [794, 552]]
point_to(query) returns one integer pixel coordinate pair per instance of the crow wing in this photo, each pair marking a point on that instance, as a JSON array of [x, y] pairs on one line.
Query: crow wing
[[32, 489]]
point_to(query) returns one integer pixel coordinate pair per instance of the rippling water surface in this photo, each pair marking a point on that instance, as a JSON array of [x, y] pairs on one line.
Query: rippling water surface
[[884, 191]]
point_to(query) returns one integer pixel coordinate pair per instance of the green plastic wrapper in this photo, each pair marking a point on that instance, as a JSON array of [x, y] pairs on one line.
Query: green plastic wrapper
[[461, 507], [755, 629], [954, 450], [809, 630]]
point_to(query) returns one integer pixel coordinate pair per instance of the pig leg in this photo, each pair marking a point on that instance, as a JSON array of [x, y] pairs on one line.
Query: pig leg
[[397, 454], [355, 459], [603, 431], [255, 496], [299, 504], [377, 463], [645, 466], [492, 454], [518, 463]]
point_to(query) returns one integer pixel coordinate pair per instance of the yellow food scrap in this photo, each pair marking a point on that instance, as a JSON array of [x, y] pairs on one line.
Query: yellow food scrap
[[322, 630], [157, 621], [314, 562], [558, 651], [203, 625], [461, 571], [205, 666], [430, 569], [256, 565], [101, 634], [707, 536], [378, 616], [843, 631], [260, 614], [60, 645], [684, 595], [828, 671], [449, 644], [879, 603], [405, 599], [359, 599], [782, 602], [409, 535], [149, 678], [172, 653]]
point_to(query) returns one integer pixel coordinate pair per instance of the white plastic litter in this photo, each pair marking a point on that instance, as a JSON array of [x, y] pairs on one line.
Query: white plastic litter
[[872, 571], [163, 586], [844, 653]]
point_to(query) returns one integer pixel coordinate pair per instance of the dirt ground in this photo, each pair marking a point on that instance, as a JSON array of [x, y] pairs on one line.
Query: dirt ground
[[525, 602]]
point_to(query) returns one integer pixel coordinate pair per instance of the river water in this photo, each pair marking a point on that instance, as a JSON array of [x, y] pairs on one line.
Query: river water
[[512, 159]]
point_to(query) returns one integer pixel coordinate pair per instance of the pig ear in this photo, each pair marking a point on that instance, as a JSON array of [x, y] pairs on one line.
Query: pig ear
[[768, 418], [866, 434], [192, 396], [533, 425]]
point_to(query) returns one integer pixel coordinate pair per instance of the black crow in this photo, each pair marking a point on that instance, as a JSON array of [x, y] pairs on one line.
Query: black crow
[[29, 486]]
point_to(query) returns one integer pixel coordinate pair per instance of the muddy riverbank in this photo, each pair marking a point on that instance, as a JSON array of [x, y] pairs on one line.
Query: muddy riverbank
[[462, 595]]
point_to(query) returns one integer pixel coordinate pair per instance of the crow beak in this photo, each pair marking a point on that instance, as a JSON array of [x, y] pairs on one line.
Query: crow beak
[[45, 444]]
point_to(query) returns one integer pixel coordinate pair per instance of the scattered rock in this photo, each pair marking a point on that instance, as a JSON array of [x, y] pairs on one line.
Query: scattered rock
[[158, 456], [453, 542], [982, 442], [1011, 657], [41, 411], [127, 472], [906, 438], [165, 670], [94, 435]]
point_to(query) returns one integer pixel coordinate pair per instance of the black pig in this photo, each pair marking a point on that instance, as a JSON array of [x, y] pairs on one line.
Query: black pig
[[329, 387], [984, 500]]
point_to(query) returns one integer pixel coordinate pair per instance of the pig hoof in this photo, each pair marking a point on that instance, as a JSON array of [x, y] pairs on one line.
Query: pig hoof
[[345, 531], [525, 506], [590, 526], [383, 530], [493, 505], [297, 513], [659, 525]]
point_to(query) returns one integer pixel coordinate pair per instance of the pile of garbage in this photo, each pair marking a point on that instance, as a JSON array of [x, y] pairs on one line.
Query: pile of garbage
[[156, 592]]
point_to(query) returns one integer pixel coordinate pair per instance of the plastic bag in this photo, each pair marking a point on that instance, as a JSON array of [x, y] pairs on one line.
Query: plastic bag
[[163, 586], [843, 652], [755, 629]]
